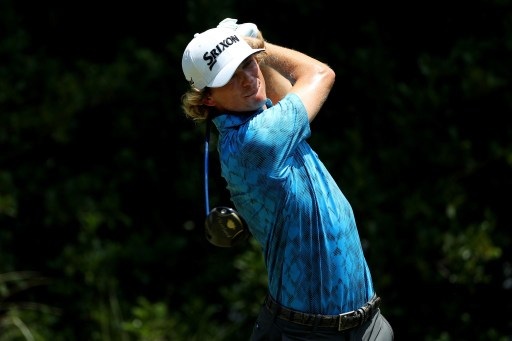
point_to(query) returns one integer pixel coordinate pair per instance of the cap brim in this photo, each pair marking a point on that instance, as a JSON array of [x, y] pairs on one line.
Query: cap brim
[[227, 72]]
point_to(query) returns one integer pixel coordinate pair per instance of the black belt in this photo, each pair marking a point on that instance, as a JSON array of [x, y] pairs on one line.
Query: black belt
[[341, 322]]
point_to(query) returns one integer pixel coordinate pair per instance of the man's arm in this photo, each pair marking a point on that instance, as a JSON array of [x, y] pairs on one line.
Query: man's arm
[[286, 70], [276, 84], [309, 78]]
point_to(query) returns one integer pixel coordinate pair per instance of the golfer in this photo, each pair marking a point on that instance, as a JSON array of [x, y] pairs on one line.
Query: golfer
[[262, 99]]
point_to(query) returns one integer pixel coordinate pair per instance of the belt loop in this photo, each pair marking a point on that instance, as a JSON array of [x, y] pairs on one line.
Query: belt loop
[[316, 322], [362, 311]]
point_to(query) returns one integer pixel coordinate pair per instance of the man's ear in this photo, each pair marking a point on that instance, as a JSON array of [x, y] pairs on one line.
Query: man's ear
[[208, 101]]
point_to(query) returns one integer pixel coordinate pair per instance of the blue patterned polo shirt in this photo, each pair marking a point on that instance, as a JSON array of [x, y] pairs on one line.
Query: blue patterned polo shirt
[[294, 209]]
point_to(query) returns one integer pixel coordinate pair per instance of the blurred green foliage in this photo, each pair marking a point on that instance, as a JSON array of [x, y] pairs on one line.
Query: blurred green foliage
[[101, 193]]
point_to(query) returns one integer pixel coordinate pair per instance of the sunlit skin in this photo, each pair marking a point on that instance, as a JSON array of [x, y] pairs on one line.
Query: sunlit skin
[[245, 91]]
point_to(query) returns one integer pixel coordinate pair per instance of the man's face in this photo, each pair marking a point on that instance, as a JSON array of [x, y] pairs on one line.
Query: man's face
[[245, 91]]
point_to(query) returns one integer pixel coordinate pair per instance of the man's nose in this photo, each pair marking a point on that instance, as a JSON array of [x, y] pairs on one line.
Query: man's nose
[[246, 78]]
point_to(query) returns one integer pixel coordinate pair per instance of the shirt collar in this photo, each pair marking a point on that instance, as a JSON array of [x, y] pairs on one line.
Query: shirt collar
[[228, 120]]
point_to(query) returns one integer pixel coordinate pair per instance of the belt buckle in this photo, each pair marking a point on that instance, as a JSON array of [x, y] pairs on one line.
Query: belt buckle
[[341, 326]]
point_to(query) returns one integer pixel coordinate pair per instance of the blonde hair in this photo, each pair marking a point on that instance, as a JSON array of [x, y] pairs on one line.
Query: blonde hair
[[192, 101]]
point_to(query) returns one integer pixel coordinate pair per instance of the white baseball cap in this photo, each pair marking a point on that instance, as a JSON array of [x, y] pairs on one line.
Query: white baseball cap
[[211, 58]]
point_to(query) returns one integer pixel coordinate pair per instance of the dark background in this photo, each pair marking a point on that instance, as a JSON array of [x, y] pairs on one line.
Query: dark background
[[101, 178]]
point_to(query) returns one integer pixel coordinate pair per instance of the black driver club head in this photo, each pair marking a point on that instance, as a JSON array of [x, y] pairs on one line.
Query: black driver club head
[[224, 227]]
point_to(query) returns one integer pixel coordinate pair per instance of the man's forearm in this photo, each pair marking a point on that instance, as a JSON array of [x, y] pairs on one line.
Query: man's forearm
[[276, 84]]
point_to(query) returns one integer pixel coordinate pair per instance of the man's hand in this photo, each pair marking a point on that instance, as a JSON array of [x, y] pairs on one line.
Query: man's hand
[[246, 30]]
